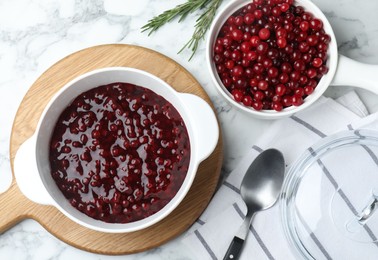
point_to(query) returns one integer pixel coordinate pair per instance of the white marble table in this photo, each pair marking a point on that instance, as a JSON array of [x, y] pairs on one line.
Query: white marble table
[[34, 34]]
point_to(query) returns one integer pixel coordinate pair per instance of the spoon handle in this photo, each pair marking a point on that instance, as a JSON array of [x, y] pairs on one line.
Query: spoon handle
[[234, 249], [236, 245]]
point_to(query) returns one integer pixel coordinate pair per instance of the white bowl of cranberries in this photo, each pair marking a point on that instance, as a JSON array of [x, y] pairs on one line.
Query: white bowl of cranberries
[[117, 149], [271, 58]]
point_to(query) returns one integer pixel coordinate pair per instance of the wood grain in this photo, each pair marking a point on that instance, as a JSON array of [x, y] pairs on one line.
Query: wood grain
[[16, 207]]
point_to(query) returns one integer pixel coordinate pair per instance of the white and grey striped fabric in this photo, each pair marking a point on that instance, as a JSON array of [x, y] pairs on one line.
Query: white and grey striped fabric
[[210, 236]]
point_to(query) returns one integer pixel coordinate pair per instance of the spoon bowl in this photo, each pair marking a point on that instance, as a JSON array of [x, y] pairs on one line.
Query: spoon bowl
[[263, 180], [260, 190]]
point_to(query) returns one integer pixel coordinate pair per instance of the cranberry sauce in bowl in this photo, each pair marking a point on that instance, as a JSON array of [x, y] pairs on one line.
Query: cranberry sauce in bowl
[[268, 56], [120, 157], [119, 152]]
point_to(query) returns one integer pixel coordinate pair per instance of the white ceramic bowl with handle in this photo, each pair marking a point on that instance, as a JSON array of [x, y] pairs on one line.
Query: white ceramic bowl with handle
[[343, 71], [32, 166]]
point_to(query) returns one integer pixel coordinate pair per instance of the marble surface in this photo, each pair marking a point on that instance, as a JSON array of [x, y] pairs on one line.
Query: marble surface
[[34, 34]]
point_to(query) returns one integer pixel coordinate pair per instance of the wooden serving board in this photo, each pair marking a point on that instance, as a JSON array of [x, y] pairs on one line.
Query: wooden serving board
[[16, 207]]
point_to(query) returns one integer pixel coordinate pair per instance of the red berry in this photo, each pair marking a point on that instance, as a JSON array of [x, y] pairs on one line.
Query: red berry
[[237, 35], [249, 18], [273, 72], [245, 46], [258, 14], [308, 90], [312, 40], [238, 71], [262, 47], [277, 106], [238, 95], [284, 7], [311, 73], [264, 34], [304, 26], [257, 105], [251, 55], [281, 42], [247, 101], [259, 95], [230, 64], [297, 100], [280, 89], [263, 85], [317, 62], [255, 40], [316, 24]]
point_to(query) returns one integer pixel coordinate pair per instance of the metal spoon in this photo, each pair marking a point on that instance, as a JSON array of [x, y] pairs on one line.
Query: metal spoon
[[259, 189]]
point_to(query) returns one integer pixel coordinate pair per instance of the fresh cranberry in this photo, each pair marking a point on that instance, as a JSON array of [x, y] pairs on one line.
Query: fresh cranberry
[[303, 47], [230, 64], [312, 40], [230, 20], [263, 85], [323, 70], [245, 46], [238, 71], [286, 67], [281, 42], [297, 100], [307, 16], [281, 32], [302, 36], [218, 48], [255, 40], [272, 72], [238, 95], [246, 36], [317, 62], [259, 95], [249, 18], [237, 35], [257, 105], [277, 106], [236, 55], [251, 55], [316, 24], [128, 161], [258, 14], [245, 63], [247, 101], [311, 73], [284, 7], [283, 78], [308, 90], [264, 34], [262, 47], [280, 90], [299, 65], [304, 26]]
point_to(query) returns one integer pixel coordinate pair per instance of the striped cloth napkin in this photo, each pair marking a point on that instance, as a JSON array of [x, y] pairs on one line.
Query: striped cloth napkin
[[210, 237]]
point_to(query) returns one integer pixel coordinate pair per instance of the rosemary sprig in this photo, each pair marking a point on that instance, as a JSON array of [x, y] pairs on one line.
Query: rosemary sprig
[[202, 25], [183, 10]]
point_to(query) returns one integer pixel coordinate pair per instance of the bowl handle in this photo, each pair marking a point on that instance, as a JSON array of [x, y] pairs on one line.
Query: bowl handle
[[27, 176], [205, 124], [356, 74]]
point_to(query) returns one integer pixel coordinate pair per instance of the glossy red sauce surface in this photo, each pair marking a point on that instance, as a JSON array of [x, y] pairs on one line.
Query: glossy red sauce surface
[[119, 153]]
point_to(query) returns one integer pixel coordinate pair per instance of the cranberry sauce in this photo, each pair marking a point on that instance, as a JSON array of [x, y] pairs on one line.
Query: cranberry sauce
[[119, 153], [271, 54]]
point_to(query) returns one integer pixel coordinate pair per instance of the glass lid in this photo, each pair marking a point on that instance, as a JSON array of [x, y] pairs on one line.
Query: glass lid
[[330, 197]]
